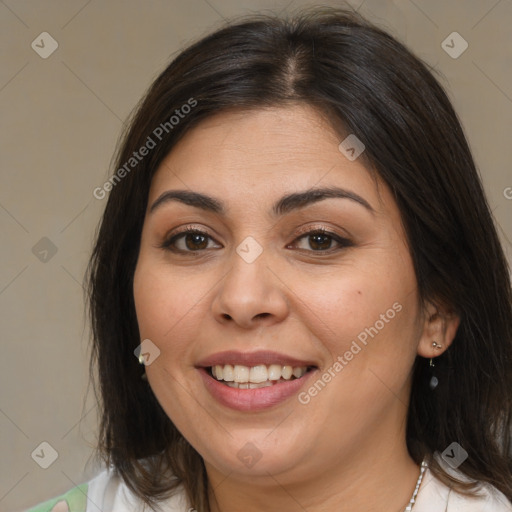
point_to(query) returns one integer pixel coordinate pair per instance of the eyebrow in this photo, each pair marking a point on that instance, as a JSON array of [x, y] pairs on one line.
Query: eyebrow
[[284, 205]]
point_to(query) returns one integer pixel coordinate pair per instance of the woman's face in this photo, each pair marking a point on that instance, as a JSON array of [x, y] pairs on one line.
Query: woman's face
[[260, 291]]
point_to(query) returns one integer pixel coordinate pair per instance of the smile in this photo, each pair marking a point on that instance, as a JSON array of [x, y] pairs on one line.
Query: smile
[[244, 377], [254, 381]]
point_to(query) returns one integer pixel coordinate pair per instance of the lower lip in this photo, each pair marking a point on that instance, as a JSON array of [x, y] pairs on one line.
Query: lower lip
[[253, 399]]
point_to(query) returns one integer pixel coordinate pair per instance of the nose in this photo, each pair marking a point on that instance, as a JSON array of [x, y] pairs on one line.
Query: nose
[[250, 295]]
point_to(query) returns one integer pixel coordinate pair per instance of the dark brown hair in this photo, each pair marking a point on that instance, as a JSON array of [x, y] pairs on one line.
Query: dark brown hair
[[365, 81]]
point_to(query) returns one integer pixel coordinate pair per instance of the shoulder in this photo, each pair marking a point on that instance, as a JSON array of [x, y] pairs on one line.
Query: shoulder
[[490, 500], [435, 496], [76, 499], [106, 491]]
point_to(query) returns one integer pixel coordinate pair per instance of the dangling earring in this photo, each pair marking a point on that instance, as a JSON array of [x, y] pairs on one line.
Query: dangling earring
[[142, 362], [434, 381]]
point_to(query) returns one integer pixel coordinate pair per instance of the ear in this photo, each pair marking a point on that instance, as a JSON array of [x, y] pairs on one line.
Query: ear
[[440, 326]]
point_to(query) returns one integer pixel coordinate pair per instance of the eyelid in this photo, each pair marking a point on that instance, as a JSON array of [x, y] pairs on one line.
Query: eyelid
[[322, 228], [187, 229], [304, 230]]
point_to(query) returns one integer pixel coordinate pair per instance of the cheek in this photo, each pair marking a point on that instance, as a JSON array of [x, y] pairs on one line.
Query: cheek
[[344, 303], [167, 311], [371, 302], [164, 303]]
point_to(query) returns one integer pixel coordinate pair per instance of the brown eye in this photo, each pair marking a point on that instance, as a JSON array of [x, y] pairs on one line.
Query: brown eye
[[189, 240], [195, 241], [320, 241]]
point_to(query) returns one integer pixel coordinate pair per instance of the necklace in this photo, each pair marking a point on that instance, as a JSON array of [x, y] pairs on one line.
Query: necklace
[[417, 488]]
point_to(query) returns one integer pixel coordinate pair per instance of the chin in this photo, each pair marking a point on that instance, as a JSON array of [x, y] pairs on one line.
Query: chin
[[255, 455]]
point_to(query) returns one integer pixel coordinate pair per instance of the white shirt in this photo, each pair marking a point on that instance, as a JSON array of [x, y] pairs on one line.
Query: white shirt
[[435, 496], [108, 493]]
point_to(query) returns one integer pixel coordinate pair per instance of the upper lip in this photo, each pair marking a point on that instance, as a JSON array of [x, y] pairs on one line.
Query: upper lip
[[250, 359]]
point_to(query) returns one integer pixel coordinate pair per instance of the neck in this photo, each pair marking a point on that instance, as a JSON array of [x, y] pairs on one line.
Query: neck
[[358, 484]]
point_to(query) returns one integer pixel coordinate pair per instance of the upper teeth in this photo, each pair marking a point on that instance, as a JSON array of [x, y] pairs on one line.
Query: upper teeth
[[256, 374]]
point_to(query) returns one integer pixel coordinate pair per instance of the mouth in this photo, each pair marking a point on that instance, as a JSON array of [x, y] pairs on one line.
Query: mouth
[[251, 382], [254, 377]]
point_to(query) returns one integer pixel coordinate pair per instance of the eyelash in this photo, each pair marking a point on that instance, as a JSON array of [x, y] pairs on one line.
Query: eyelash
[[341, 241]]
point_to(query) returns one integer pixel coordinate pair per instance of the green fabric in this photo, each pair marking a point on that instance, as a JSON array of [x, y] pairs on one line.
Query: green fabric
[[76, 500]]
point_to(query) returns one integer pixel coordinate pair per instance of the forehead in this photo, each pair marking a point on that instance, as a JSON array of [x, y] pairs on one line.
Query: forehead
[[259, 154]]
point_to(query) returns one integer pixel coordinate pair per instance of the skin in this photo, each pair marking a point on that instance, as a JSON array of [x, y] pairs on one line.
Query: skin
[[345, 450]]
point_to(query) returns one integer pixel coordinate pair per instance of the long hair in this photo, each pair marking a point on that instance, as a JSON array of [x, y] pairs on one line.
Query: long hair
[[367, 83]]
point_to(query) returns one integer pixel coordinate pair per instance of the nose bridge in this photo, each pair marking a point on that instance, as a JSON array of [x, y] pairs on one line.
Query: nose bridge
[[249, 292]]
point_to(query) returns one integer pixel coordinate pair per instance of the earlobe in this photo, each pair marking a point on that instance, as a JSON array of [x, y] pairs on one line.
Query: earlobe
[[439, 330]]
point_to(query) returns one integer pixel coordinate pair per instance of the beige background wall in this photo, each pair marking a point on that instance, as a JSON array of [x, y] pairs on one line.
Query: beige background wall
[[61, 117]]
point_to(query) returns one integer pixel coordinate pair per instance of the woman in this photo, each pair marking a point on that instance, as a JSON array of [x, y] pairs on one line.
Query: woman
[[298, 251]]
